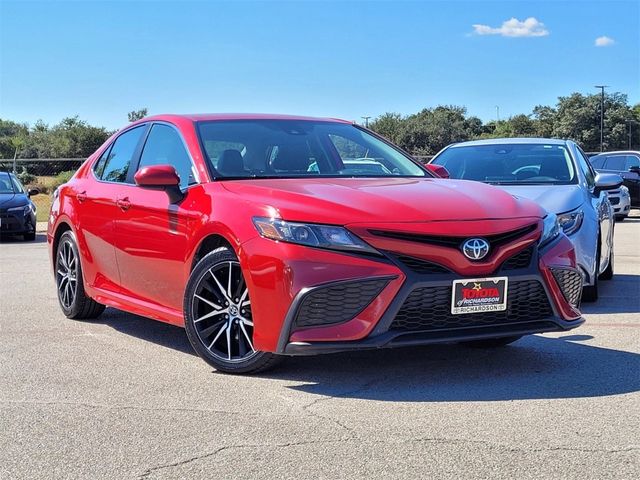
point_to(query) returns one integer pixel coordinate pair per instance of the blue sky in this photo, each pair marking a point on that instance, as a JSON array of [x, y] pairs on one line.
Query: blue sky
[[100, 60]]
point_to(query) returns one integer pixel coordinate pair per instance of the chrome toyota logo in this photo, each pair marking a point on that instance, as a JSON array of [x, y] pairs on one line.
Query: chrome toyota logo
[[475, 248]]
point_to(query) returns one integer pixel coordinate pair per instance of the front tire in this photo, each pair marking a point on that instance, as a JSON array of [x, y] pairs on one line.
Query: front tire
[[74, 302], [218, 318], [29, 237]]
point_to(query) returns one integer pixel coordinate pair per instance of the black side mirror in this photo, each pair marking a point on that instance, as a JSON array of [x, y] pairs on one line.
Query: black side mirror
[[635, 169], [32, 191]]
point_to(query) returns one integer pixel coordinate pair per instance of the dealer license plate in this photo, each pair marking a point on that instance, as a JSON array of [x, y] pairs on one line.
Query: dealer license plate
[[479, 295]]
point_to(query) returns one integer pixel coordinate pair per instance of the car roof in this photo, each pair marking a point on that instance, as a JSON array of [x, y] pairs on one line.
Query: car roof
[[618, 152], [201, 117], [511, 141]]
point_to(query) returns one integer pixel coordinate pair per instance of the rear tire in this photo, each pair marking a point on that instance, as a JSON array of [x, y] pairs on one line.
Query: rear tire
[[74, 302], [218, 319], [492, 342]]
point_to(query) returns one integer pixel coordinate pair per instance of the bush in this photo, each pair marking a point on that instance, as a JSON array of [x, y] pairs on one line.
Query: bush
[[25, 177], [62, 177]]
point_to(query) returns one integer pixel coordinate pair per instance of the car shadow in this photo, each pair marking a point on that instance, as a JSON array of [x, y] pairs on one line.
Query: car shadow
[[40, 238], [536, 367], [160, 333], [618, 295]]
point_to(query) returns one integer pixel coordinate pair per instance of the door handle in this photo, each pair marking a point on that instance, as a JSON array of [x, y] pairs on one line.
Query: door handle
[[123, 203], [81, 196]]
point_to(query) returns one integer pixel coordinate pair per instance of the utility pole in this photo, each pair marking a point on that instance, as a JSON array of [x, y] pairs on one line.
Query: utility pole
[[366, 121], [601, 87], [630, 121]]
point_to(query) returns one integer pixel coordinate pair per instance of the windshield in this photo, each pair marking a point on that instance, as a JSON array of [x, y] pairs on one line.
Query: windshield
[[510, 164], [6, 186], [292, 148]]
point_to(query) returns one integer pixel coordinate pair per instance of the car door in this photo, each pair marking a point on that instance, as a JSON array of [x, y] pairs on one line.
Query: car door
[[95, 203], [153, 233], [602, 207], [631, 177]]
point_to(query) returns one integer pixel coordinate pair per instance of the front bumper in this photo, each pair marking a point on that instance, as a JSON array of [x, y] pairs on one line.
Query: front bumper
[[621, 203], [382, 301], [17, 223]]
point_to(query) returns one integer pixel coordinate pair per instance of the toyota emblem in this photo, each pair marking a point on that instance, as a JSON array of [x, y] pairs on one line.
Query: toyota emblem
[[475, 248]]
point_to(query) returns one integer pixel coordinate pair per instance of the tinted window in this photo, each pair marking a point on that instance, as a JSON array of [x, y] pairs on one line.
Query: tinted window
[[615, 162], [120, 155], [6, 185], [98, 168], [586, 168], [299, 148], [509, 163], [632, 161], [597, 161], [164, 147], [17, 185]]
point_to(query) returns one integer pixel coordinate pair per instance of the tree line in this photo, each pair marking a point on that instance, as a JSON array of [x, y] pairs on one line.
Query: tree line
[[575, 117]]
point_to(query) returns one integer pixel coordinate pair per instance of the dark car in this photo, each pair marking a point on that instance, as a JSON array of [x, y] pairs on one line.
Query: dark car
[[17, 211], [627, 165]]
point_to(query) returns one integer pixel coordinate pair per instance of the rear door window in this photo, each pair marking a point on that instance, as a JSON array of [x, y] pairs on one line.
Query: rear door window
[[615, 162]]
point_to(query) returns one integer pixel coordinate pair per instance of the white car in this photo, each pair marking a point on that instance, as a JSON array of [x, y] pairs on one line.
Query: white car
[[621, 202]]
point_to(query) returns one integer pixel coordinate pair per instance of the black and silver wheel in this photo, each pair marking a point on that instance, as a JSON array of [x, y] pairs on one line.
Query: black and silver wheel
[[71, 295], [218, 317]]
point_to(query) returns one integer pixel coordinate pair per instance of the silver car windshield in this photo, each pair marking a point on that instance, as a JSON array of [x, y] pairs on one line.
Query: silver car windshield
[[508, 164]]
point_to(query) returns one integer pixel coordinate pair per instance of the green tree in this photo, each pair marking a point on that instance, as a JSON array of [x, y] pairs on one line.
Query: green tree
[[12, 138], [136, 115]]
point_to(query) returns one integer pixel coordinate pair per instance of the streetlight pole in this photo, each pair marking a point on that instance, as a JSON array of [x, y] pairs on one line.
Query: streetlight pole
[[498, 113], [601, 87], [366, 121], [630, 121]]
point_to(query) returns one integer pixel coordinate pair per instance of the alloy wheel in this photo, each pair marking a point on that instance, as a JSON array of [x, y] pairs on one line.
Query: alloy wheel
[[67, 274], [221, 312]]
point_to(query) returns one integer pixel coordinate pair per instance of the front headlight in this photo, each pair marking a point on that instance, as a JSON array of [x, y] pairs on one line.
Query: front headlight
[[24, 209], [570, 222], [309, 234], [624, 191], [550, 229]]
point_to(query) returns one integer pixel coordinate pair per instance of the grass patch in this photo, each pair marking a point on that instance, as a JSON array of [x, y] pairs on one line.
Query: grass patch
[[43, 204]]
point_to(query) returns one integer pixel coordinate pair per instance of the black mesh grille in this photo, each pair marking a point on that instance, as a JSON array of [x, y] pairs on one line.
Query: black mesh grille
[[337, 303], [519, 260], [429, 308], [570, 282], [614, 200], [455, 242], [422, 266]]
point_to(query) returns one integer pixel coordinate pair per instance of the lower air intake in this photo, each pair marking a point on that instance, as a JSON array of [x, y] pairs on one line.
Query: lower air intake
[[337, 303], [570, 282]]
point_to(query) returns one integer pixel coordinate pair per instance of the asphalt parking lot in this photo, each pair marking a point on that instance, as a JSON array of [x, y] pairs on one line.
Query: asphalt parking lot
[[125, 397]]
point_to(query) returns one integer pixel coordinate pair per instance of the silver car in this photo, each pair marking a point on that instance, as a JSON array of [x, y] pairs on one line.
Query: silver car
[[621, 202], [557, 175]]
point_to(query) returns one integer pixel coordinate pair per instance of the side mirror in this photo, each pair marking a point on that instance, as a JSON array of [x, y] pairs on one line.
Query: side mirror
[[635, 169], [32, 191], [160, 177], [437, 170], [606, 181]]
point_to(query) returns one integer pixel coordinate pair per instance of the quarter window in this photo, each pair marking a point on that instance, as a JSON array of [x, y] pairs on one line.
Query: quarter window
[[165, 147]]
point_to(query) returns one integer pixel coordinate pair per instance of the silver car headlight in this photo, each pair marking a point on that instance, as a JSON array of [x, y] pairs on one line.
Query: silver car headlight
[[309, 234], [624, 191], [570, 222], [550, 229]]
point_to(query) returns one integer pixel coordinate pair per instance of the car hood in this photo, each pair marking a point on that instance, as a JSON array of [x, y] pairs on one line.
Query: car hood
[[350, 200], [8, 200], [553, 198]]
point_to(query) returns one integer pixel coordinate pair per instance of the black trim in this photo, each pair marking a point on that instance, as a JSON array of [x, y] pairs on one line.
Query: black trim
[[381, 336]]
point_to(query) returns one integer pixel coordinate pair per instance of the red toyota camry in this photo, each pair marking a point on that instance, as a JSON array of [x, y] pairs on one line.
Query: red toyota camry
[[269, 235]]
